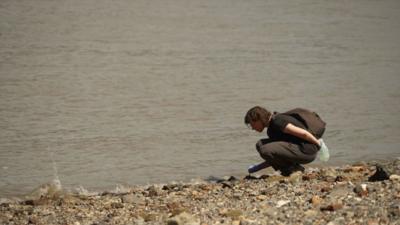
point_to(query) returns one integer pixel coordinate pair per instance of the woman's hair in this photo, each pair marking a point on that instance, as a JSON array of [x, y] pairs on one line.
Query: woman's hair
[[257, 113]]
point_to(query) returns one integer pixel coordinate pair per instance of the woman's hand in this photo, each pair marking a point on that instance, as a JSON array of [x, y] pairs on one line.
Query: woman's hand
[[301, 133]]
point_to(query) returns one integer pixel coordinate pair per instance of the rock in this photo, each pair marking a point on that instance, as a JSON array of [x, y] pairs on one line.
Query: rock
[[70, 200], [262, 197], [332, 207], [232, 213], [315, 200], [152, 191], [310, 176], [197, 195], [148, 217], [253, 193], [355, 169], [117, 205], [341, 178], [295, 177], [348, 214], [281, 203], [270, 212], [173, 187], [326, 189], [137, 221], [237, 195], [236, 222], [299, 191], [310, 213], [226, 184], [250, 177], [232, 178], [175, 208], [339, 191], [130, 198], [380, 174], [245, 221], [38, 202], [372, 222], [339, 220], [394, 177], [29, 202], [328, 174], [361, 190], [183, 219], [394, 211]]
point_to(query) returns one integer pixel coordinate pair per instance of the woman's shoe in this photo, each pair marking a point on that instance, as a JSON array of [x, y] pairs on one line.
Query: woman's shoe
[[291, 169]]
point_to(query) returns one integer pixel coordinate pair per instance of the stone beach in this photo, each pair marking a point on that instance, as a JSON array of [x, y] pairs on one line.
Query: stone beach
[[348, 194]]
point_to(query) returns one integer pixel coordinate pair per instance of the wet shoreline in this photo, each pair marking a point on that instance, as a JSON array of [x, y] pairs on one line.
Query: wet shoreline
[[347, 194]]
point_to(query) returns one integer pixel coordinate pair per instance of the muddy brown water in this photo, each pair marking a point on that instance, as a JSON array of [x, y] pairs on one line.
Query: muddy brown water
[[101, 93]]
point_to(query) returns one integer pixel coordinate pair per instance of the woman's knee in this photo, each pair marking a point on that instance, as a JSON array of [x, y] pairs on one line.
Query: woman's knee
[[258, 145], [262, 142], [265, 151]]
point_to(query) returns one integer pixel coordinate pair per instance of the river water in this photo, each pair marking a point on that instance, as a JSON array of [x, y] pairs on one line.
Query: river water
[[102, 93]]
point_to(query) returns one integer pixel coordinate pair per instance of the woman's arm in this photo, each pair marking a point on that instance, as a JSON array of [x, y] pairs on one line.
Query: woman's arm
[[301, 133]]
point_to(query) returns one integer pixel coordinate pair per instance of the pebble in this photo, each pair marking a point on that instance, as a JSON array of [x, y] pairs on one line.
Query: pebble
[[130, 198], [329, 174], [310, 176], [394, 177], [326, 189], [316, 200], [271, 212], [232, 213], [183, 219], [372, 222], [339, 191], [332, 207], [361, 190], [394, 210], [355, 169], [262, 197], [281, 203], [236, 222], [310, 213], [296, 177]]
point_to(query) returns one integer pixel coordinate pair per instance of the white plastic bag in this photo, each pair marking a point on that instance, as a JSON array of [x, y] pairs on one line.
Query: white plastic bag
[[323, 151]]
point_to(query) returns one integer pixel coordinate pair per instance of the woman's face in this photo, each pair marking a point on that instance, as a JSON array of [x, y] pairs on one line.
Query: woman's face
[[257, 125]]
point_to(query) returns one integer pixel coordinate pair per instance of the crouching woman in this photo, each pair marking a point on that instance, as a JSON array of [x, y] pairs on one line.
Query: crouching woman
[[289, 143]]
